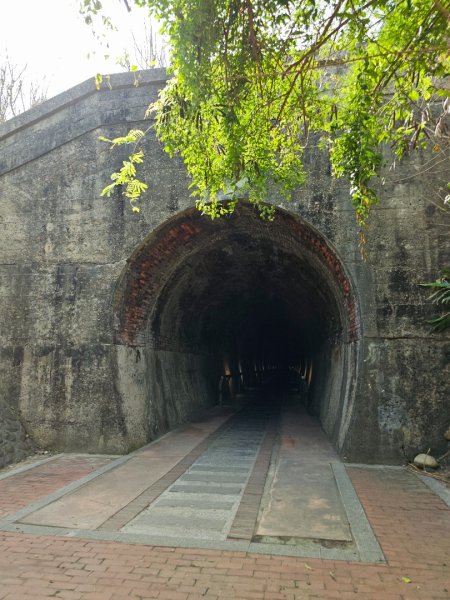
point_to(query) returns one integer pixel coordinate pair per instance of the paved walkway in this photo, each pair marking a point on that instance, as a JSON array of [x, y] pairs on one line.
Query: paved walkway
[[399, 527]]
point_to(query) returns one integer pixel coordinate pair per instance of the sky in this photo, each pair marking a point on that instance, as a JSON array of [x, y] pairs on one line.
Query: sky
[[52, 39]]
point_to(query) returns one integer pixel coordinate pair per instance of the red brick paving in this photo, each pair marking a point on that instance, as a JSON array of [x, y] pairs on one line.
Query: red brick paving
[[411, 523], [20, 490]]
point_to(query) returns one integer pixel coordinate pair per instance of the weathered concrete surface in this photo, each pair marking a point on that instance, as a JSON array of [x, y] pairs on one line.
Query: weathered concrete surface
[[202, 503], [15, 444], [98, 500], [66, 257], [192, 485], [301, 499]]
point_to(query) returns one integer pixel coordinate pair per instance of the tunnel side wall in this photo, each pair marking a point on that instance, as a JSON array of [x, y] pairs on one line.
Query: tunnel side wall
[[161, 390], [327, 398], [63, 249]]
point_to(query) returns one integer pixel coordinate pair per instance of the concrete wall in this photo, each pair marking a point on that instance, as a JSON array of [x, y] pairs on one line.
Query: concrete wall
[[14, 441], [72, 385]]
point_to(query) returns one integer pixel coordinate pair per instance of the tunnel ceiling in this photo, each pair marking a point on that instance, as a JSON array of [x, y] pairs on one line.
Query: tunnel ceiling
[[237, 281], [244, 291]]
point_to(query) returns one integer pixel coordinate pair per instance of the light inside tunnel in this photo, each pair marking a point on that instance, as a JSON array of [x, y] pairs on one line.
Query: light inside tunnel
[[240, 300]]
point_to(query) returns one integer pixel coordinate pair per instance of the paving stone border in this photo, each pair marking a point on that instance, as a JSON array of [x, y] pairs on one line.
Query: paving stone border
[[437, 487], [67, 489], [22, 469], [368, 547], [365, 548], [374, 467], [306, 549]]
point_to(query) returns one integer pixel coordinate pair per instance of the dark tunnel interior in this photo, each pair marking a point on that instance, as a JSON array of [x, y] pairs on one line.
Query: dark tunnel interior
[[258, 306], [260, 312]]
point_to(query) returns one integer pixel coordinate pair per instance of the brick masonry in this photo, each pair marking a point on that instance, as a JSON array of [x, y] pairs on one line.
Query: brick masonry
[[410, 522], [20, 490]]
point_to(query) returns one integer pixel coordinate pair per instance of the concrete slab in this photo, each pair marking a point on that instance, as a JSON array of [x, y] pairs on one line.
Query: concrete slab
[[94, 503], [172, 535], [190, 512], [302, 500], [216, 468], [90, 506], [225, 461], [214, 477], [183, 518], [195, 502], [203, 514], [207, 489]]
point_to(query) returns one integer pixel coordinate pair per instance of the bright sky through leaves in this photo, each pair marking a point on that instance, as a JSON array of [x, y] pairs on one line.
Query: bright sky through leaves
[[50, 36]]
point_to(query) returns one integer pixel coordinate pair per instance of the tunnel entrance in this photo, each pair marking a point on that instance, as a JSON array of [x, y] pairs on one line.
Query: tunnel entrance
[[206, 309]]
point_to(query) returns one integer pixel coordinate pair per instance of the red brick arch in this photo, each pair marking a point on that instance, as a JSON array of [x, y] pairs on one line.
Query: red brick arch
[[164, 250]]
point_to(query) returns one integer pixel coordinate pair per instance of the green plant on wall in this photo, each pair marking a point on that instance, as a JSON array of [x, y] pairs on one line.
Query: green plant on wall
[[440, 296], [253, 82]]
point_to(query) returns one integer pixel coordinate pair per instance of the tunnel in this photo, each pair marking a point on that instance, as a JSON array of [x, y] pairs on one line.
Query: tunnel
[[207, 310]]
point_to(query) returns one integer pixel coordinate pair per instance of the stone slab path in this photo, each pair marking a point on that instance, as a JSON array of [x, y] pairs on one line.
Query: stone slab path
[[93, 503], [301, 499], [399, 525], [224, 482], [265, 476], [202, 502]]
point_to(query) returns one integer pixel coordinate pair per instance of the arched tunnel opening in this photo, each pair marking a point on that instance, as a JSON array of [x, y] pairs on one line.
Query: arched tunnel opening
[[251, 306], [212, 309]]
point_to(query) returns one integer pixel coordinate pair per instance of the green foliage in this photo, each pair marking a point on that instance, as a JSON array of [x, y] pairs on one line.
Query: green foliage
[[441, 296], [254, 81], [125, 178]]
